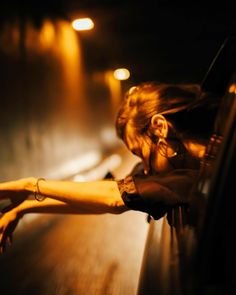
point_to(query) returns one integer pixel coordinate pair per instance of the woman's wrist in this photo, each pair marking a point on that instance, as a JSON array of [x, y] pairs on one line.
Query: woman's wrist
[[29, 184], [25, 207], [19, 211]]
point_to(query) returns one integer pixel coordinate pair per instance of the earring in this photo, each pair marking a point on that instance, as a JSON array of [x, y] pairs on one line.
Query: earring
[[173, 155], [163, 148]]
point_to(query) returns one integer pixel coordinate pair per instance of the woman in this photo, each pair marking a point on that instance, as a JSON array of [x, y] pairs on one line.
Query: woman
[[167, 126]]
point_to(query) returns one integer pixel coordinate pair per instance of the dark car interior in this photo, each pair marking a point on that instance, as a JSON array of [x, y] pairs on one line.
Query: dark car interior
[[195, 253]]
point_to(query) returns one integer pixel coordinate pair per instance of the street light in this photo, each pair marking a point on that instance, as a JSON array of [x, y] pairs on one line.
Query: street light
[[121, 74], [83, 24]]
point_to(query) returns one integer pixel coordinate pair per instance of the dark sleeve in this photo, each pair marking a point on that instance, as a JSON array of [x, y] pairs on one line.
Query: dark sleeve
[[156, 194]]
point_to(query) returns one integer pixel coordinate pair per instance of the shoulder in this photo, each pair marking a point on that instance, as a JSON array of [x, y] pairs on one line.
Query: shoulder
[[179, 182]]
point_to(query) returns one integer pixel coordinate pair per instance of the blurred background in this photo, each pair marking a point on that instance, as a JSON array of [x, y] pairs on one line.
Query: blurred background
[[59, 94]]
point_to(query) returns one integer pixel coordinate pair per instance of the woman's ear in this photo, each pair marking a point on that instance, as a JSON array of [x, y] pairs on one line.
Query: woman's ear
[[159, 126]]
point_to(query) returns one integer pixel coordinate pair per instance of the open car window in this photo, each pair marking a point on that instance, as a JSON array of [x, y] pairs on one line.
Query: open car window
[[195, 253]]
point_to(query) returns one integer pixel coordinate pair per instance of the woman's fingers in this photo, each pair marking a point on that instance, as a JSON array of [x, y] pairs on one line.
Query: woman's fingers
[[5, 240], [8, 224], [2, 243]]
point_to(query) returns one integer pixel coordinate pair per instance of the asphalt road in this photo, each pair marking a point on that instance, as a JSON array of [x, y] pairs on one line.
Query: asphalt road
[[75, 254]]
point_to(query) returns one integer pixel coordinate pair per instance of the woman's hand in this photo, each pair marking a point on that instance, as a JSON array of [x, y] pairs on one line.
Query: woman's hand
[[8, 223], [19, 185], [16, 191]]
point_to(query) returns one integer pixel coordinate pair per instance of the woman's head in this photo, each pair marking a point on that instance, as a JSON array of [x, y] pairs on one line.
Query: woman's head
[[144, 101], [152, 112]]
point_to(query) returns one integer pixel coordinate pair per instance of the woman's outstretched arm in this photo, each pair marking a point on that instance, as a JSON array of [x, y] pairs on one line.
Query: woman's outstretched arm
[[101, 196], [9, 221]]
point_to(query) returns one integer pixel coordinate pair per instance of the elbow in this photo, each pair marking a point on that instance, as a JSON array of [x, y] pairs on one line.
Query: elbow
[[117, 207]]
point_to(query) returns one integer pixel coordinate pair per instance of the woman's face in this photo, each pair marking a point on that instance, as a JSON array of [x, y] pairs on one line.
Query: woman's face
[[144, 147]]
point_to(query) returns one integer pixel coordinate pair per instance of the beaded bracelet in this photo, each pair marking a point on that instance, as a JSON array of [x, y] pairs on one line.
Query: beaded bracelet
[[37, 194]]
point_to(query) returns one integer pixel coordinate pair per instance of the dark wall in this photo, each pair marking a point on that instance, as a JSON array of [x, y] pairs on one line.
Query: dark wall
[[47, 118]]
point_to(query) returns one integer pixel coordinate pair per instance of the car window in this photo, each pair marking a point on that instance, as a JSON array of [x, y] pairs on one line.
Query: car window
[[194, 254]]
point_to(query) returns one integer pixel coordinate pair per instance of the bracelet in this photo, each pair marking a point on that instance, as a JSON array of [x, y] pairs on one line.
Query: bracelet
[[37, 194]]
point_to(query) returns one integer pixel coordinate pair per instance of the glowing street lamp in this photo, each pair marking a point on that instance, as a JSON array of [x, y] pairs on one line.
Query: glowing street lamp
[[121, 74], [83, 24]]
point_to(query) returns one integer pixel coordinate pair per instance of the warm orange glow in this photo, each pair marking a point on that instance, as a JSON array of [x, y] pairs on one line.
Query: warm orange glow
[[61, 41], [68, 42], [83, 24], [121, 74], [69, 51], [232, 88], [47, 35], [115, 90]]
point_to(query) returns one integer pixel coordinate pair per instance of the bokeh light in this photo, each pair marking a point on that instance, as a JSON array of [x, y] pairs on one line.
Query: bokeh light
[[121, 74], [83, 24]]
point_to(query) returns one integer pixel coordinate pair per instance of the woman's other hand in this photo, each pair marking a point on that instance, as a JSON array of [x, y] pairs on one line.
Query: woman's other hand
[[8, 223]]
